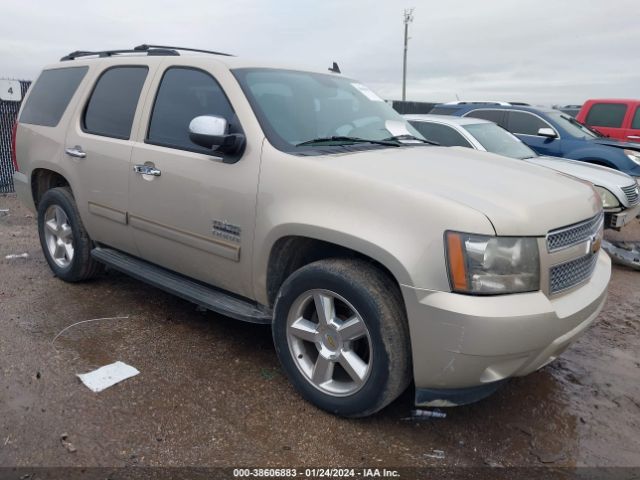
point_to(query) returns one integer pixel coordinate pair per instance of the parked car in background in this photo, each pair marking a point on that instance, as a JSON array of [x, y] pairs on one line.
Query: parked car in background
[[303, 201], [619, 192], [613, 118], [551, 132], [569, 109]]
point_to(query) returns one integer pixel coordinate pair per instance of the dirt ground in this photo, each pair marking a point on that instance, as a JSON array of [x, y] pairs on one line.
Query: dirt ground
[[211, 392]]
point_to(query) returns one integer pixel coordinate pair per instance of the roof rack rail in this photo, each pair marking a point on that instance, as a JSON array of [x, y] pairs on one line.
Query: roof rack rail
[[478, 102], [145, 47], [109, 53]]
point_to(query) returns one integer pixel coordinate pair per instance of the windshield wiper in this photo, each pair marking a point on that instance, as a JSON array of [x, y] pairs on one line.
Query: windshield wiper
[[347, 140], [406, 136], [586, 127]]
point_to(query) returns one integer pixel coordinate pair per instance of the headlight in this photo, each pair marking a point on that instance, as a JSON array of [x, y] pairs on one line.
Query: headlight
[[485, 265], [633, 155], [609, 200]]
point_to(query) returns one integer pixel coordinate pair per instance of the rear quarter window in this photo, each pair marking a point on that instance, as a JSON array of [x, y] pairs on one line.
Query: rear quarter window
[[50, 95], [606, 115]]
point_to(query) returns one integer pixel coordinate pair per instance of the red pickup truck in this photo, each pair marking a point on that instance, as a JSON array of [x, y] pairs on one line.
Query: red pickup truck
[[615, 118]]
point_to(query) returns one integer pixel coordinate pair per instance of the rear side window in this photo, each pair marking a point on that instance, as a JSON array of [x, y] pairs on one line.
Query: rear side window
[[113, 102], [606, 115], [525, 123], [50, 95], [443, 134], [495, 116], [635, 124], [184, 94]]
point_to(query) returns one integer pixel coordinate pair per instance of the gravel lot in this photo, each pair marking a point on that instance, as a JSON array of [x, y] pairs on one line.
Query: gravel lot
[[211, 392]]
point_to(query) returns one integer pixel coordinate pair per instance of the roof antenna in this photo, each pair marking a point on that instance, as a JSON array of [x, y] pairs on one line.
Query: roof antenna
[[335, 68]]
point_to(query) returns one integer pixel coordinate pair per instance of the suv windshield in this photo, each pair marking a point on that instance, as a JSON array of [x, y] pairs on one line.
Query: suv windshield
[[496, 139], [302, 110], [572, 126]]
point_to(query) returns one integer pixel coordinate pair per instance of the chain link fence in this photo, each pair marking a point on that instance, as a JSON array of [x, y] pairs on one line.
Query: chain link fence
[[8, 113]]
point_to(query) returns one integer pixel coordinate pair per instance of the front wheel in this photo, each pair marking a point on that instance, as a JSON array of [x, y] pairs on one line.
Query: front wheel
[[341, 334]]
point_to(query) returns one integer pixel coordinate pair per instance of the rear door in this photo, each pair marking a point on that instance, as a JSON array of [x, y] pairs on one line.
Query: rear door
[[525, 125], [608, 118], [99, 143], [196, 215]]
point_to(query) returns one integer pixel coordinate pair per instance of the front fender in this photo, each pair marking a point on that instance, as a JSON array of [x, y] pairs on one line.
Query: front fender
[[400, 228]]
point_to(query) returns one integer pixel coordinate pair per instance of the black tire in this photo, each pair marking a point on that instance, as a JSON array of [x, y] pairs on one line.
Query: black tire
[[82, 266], [378, 301]]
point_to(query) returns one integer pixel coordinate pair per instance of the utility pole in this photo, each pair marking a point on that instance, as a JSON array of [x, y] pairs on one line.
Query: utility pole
[[408, 18]]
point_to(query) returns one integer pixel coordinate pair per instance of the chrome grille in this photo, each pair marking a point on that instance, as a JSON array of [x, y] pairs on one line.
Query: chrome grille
[[574, 234], [572, 273], [632, 194]]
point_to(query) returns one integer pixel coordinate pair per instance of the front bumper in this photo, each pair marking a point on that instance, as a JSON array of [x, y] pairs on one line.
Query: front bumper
[[461, 341], [619, 220]]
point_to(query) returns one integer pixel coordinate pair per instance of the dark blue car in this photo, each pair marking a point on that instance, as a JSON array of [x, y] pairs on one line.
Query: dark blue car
[[553, 133]]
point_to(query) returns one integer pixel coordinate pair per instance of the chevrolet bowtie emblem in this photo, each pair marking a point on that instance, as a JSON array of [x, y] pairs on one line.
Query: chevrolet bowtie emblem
[[595, 243]]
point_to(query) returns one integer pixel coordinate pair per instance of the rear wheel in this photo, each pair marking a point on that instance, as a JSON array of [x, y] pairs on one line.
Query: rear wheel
[[341, 335], [65, 242]]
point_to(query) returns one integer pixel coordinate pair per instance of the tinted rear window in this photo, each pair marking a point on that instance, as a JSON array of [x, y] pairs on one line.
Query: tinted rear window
[[113, 102], [606, 115], [50, 95]]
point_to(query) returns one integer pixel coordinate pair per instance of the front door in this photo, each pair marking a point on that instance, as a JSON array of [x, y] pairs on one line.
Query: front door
[[195, 214]]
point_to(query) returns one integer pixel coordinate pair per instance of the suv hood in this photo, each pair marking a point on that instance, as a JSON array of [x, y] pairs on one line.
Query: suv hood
[[517, 197], [612, 180], [612, 142]]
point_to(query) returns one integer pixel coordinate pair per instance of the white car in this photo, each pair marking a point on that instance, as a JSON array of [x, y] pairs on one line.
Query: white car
[[619, 192]]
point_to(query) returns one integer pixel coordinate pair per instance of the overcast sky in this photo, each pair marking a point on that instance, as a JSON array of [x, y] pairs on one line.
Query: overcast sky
[[540, 51]]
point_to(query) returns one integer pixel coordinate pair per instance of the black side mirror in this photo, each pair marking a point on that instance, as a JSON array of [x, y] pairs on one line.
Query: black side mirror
[[210, 131]]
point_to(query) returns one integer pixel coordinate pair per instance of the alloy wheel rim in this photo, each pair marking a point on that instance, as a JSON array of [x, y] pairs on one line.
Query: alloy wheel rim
[[329, 342], [58, 236]]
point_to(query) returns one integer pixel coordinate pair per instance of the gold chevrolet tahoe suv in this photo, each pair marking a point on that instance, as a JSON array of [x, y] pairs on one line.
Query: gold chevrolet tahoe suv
[[302, 200]]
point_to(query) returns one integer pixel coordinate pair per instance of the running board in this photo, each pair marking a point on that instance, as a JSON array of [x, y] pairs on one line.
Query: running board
[[183, 287]]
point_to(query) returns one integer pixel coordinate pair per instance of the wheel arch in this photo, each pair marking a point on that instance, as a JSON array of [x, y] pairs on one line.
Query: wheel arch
[[43, 179], [292, 251]]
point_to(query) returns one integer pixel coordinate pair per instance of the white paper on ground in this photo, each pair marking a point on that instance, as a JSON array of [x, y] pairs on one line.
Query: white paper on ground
[[107, 376]]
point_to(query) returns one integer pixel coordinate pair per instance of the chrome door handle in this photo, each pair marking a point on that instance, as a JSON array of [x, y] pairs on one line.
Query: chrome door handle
[[147, 170], [76, 152], [633, 137]]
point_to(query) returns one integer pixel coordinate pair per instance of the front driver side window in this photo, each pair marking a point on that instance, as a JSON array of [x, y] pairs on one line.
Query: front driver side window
[[525, 123], [186, 93]]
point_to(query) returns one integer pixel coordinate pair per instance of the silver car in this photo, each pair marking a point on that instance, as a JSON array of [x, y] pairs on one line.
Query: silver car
[[619, 191]]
